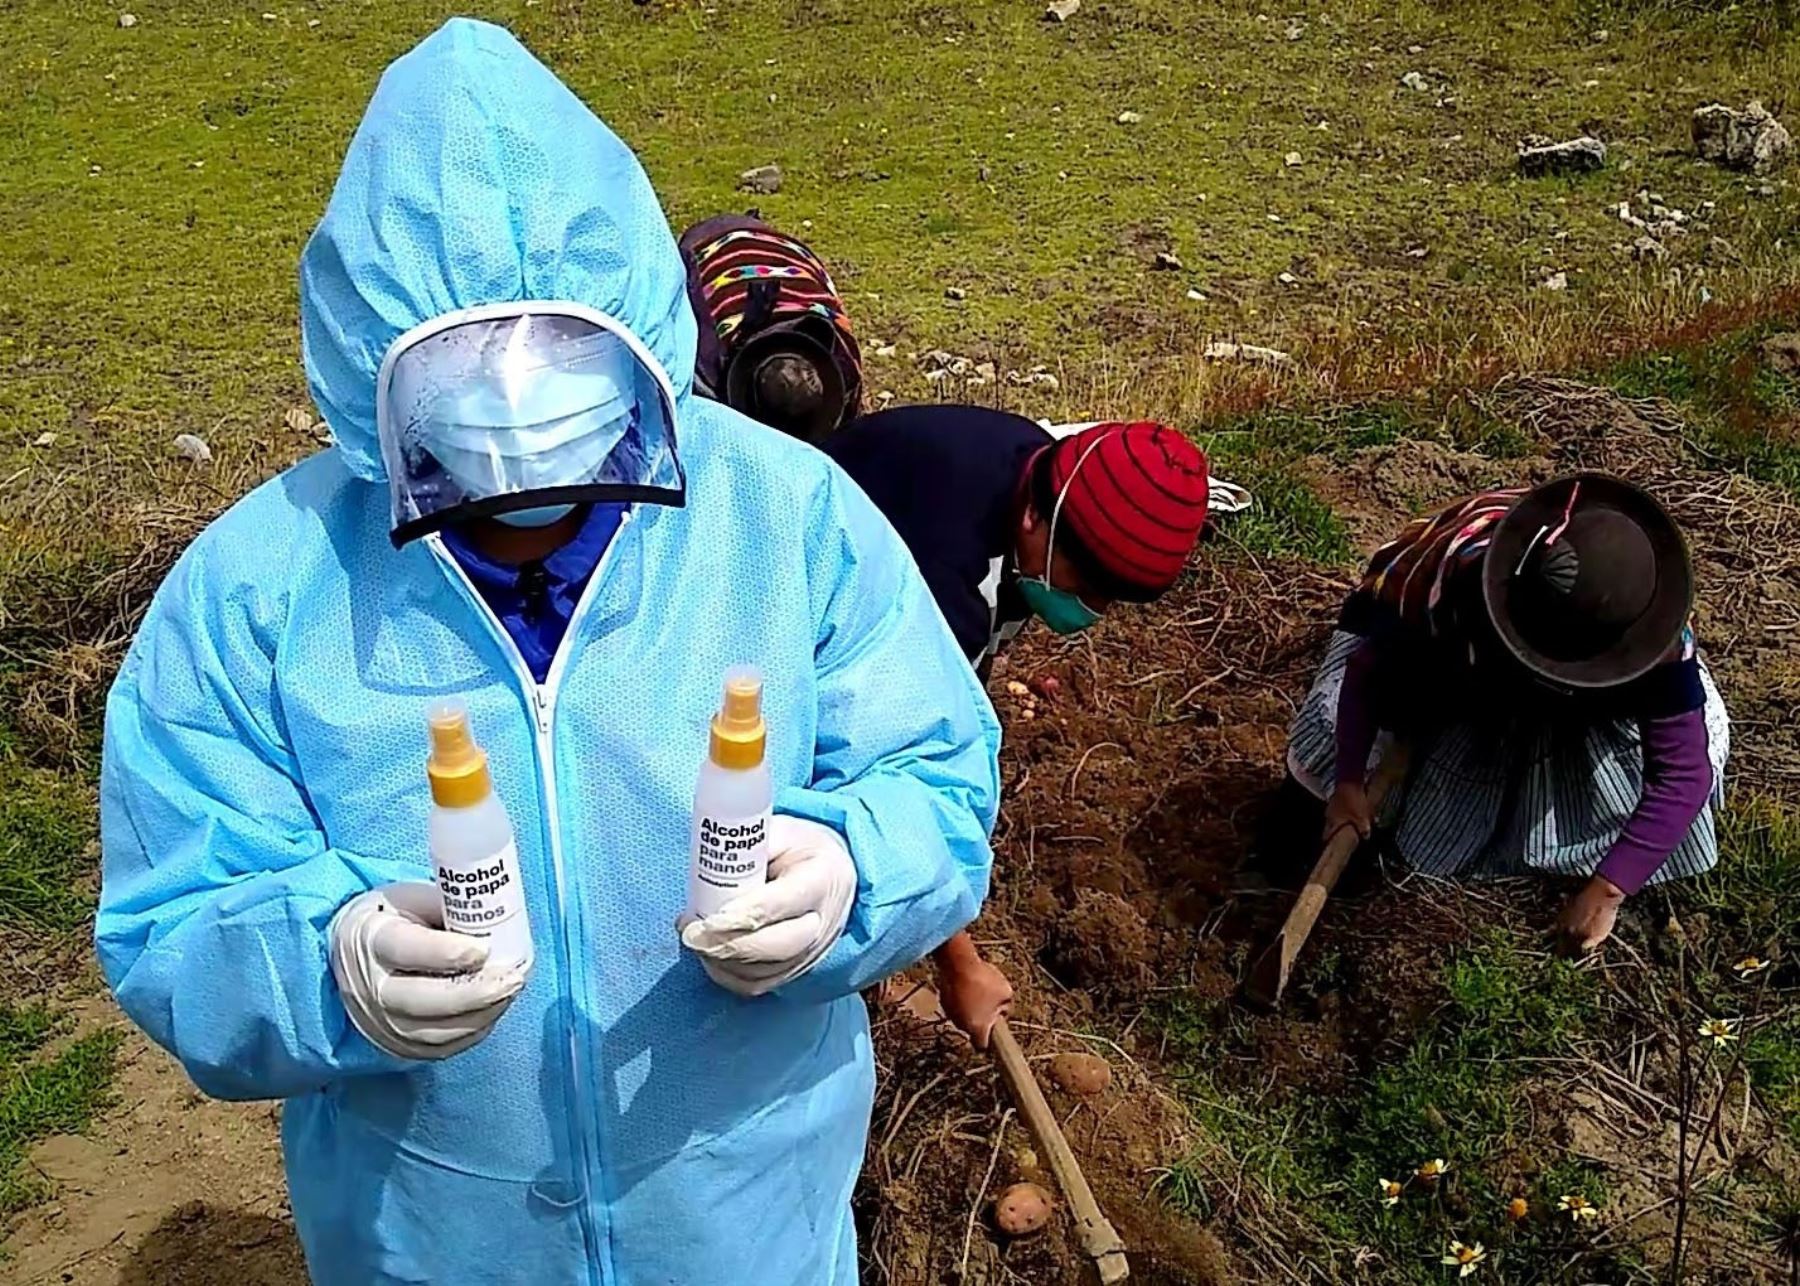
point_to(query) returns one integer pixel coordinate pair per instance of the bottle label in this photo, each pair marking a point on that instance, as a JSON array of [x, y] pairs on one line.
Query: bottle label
[[730, 854], [485, 899]]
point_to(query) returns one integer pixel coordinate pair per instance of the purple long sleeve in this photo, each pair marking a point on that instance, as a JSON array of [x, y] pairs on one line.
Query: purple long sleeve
[[1678, 777], [1356, 723]]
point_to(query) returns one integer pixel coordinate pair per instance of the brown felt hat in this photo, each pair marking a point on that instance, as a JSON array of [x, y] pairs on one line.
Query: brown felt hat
[[1587, 581], [808, 338]]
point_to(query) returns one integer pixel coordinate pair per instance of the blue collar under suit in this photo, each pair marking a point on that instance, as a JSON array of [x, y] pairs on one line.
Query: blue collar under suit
[[535, 601], [627, 1122]]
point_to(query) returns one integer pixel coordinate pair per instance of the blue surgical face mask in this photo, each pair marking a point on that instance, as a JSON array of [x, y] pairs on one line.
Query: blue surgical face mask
[[562, 451], [1060, 610]]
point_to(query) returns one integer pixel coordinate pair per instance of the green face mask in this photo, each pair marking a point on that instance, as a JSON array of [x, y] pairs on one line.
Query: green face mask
[[1057, 608]]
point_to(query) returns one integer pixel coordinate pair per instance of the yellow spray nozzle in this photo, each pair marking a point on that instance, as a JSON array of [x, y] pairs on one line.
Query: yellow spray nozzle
[[457, 768], [738, 731]]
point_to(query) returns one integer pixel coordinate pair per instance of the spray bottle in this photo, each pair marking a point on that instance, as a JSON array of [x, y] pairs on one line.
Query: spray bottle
[[471, 843], [732, 801]]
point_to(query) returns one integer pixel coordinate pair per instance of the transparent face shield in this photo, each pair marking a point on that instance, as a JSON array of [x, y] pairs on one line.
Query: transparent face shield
[[522, 407]]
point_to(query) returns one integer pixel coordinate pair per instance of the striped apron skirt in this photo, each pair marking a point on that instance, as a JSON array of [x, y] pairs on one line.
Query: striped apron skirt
[[1507, 797]]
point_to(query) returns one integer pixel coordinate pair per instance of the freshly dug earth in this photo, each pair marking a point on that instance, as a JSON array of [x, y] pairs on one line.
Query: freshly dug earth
[[1130, 802], [1133, 795]]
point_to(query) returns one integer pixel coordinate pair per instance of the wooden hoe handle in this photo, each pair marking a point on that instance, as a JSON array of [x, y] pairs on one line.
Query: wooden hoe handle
[[1099, 1240], [1269, 976]]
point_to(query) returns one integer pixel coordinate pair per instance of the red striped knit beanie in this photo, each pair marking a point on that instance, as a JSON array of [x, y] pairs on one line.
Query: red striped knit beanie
[[1134, 503]]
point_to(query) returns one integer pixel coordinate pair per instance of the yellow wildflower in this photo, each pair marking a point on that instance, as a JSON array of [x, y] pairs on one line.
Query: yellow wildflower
[[1720, 1031], [1578, 1207], [1433, 1170], [1466, 1259]]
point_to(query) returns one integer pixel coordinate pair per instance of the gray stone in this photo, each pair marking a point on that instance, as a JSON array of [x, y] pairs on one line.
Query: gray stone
[[1538, 156], [1166, 262], [764, 180], [1257, 354], [128, 20], [1415, 82], [1751, 141], [192, 448], [1061, 10], [1648, 250]]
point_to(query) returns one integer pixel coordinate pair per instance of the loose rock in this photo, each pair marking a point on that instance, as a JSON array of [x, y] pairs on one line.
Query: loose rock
[[1082, 1074], [1022, 1210], [1751, 141], [956, 294], [1648, 249], [44, 440], [1061, 10], [1130, 118], [1223, 351], [1556, 281], [1415, 82], [1165, 261], [128, 20], [764, 180], [192, 448], [1538, 156], [1294, 158]]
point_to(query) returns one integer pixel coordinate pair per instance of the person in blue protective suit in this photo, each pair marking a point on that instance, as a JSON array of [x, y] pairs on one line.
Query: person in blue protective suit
[[496, 330]]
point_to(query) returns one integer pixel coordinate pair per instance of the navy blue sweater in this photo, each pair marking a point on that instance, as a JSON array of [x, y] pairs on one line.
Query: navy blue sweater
[[948, 479]]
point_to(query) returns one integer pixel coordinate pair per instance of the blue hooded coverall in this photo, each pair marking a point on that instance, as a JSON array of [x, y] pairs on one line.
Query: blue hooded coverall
[[627, 1121]]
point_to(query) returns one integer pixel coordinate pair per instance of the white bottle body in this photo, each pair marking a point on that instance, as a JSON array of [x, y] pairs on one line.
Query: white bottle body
[[477, 867], [729, 845]]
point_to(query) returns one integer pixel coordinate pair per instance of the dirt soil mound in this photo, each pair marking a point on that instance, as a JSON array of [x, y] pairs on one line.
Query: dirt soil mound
[[1141, 760]]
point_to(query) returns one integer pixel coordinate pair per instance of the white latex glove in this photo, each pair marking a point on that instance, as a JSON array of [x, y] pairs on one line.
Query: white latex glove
[[410, 986], [771, 935]]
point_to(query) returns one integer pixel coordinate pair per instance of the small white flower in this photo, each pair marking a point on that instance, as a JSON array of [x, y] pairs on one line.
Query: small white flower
[[1466, 1259], [1390, 1192], [1433, 1170], [1750, 966], [1720, 1031], [1578, 1207]]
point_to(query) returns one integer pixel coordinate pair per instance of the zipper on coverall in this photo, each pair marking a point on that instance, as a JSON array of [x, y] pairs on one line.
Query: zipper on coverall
[[541, 701]]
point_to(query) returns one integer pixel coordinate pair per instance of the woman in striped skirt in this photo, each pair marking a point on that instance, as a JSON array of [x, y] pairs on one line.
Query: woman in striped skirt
[[1533, 650]]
